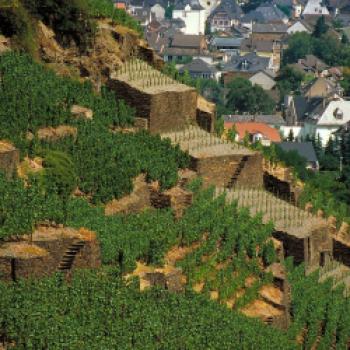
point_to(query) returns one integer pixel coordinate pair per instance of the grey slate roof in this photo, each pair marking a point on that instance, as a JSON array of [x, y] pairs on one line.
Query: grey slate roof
[[248, 44], [250, 62], [305, 107], [273, 119], [304, 149], [230, 42], [230, 7], [269, 28], [198, 66], [265, 13]]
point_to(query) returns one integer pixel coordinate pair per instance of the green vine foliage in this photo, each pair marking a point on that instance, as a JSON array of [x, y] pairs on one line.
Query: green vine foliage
[[32, 97], [21, 207], [319, 311], [97, 311]]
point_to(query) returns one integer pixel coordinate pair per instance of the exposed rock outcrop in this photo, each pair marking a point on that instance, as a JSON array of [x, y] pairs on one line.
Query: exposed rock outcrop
[[54, 134], [82, 112]]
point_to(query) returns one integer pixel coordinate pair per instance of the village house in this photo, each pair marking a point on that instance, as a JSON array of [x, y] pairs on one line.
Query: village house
[[315, 9], [225, 16], [265, 48], [264, 79], [310, 64], [245, 66], [265, 13], [254, 131], [323, 87], [183, 46], [231, 44], [273, 120], [315, 116], [193, 14], [269, 32], [200, 69], [299, 27]]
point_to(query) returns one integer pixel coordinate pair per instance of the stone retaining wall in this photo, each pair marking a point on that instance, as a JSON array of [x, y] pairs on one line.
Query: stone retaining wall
[[165, 111], [218, 170], [309, 248], [9, 159], [45, 262], [341, 252]]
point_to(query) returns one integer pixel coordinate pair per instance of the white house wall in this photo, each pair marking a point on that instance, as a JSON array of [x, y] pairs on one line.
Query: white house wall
[[194, 21], [297, 28], [298, 131]]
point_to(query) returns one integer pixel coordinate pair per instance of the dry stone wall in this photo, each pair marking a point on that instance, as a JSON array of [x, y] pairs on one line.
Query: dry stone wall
[[9, 158], [137, 201], [218, 170], [341, 251], [163, 111], [311, 248], [42, 256]]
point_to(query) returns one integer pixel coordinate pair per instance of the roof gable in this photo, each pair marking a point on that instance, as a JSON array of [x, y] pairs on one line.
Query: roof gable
[[229, 7], [336, 113], [253, 128]]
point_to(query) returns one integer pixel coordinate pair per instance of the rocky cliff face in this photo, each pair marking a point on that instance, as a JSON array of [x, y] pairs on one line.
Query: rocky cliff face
[[113, 45]]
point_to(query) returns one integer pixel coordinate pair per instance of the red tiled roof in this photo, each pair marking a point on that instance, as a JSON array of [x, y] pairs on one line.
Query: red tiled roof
[[267, 131], [120, 5]]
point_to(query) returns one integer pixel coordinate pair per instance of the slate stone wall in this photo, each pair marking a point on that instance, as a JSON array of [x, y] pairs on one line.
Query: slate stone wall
[[165, 111], [307, 249], [56, 249], [9, 160], [341, 252], [218, 170], [205, 120], [292, 246], [89, 256]]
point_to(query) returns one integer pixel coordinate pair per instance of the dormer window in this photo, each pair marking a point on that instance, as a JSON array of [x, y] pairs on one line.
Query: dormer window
[[244, 65], [338, 114]]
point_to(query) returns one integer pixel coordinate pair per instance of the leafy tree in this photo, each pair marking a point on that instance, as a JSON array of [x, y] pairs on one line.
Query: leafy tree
[[16, 22], [169, 11], [344, 39], [219, 126], [232, 133], [290, 137], [321, 27], [299, 45], [69, 19], [285, 9], [244, 97], [289, 80]]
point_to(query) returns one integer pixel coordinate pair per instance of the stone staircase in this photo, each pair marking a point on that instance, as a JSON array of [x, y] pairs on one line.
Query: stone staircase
[[67, 260], [238, 171]]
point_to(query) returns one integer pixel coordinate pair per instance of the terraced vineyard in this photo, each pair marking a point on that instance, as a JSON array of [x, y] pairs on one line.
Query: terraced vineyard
[[198, 141], [141, 75], [284, 215]]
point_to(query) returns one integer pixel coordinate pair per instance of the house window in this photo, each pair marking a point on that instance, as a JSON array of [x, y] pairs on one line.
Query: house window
[[338, 113], [226, 23], [221, 23]]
